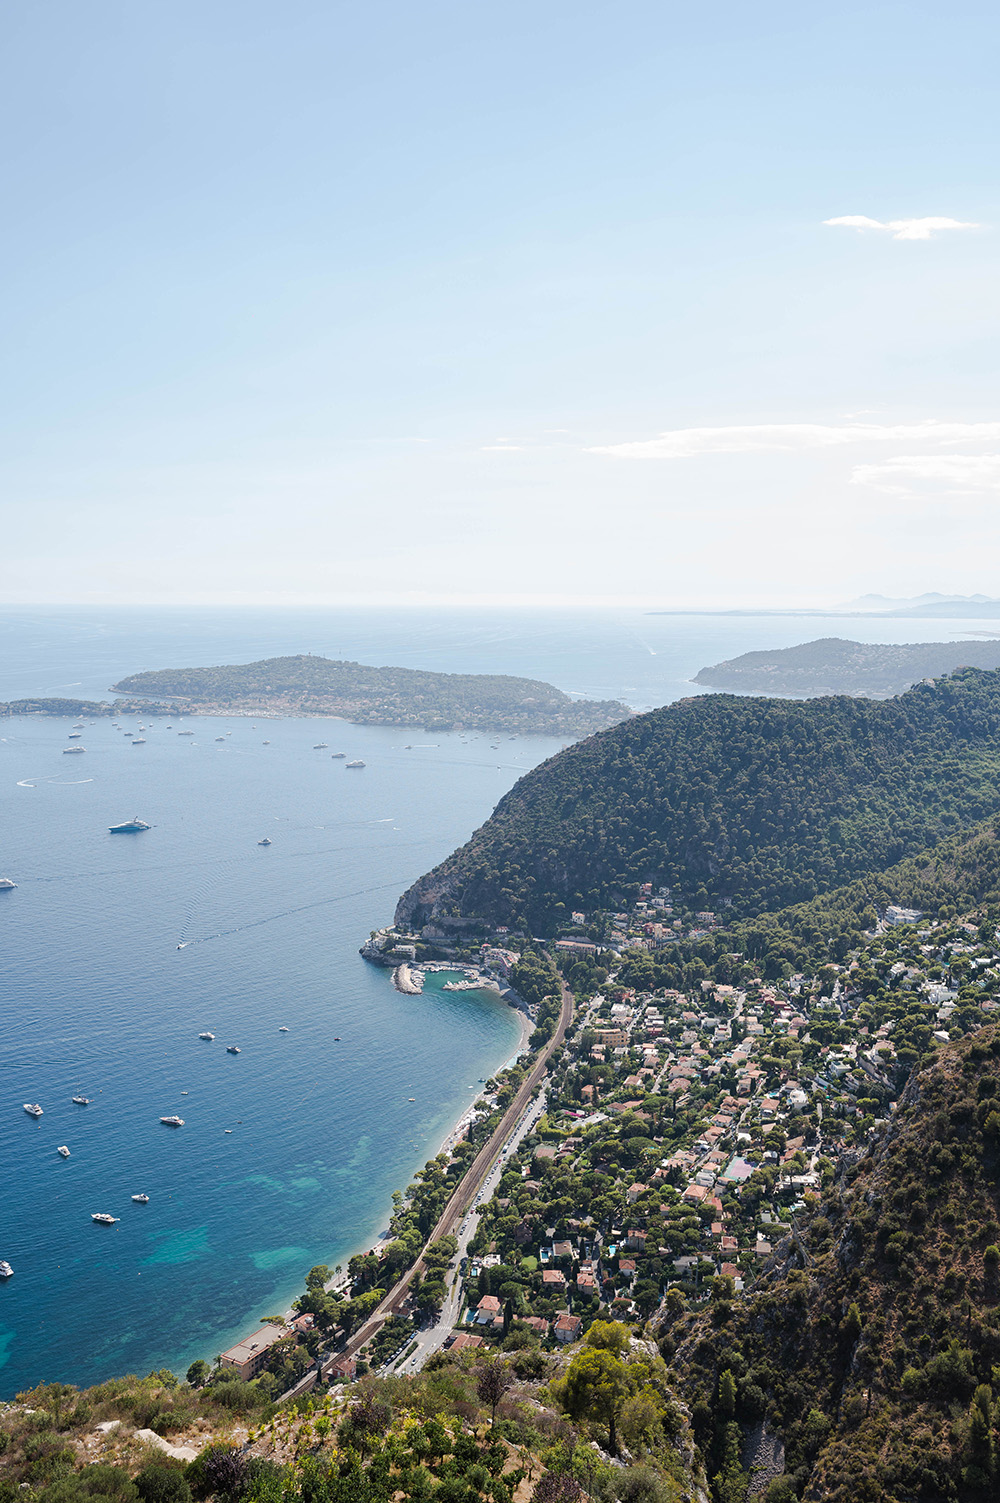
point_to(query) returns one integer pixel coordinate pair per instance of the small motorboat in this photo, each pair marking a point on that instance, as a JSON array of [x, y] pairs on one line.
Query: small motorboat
[[232, 1049], [139, 741], [357, 763], [266, 841], [63, 1151], [6, 1271], [102, 1218], [32, 1108], [81, 1100], [337, 756], [321, 746], [141, 1200], [282, 1029], [208, 1036], [74, 751], [6, 885], [172, 1121]]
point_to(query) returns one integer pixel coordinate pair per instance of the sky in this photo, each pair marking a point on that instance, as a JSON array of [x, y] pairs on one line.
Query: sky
[[521, 302]]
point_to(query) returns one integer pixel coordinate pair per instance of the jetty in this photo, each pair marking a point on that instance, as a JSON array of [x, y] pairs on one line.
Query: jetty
[[408, 980]]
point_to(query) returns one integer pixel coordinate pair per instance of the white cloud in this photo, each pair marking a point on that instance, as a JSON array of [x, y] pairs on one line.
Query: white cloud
[[916, 474], [777, 438], [903, 229]]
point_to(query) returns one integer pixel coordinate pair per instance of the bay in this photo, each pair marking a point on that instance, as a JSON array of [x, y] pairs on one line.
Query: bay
[[290, 1149]]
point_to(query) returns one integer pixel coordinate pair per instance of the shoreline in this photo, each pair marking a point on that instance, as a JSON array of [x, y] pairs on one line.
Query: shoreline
[[451, 1136]]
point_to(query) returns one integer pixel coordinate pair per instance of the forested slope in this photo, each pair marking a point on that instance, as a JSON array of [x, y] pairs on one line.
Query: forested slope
[[757, 803], [871, 1344]]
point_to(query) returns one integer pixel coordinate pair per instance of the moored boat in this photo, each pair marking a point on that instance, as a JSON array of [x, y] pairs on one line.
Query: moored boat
[[129, 827], [32, 1108], [141, 1200], [102, 1218], [357, 763], [6, 885], [81, 1100], [63, 1152], [6, 1271], [208, 1036], [172, 1121], [232, 1049], [265, 841], [74, 751]]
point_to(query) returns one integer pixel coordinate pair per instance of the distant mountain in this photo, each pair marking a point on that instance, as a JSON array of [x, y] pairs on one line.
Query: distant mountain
[[886, 603], [753, 803], [833, 665], [307, 685]]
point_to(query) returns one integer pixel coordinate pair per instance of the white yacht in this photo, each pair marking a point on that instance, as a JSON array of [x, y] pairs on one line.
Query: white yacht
[[81, 1100], [265, 841], [338, 756], [75, 735], [141, 1200], [63, 1151], [32, 1108], [321, 746], [139, 741], [6, 885], [185, 733], [6, 1271], [282, 1029], [356, 764], [129, 827], [103, 1219], [208, 1036], [74, 751], [172, 1121], [232, 1049]]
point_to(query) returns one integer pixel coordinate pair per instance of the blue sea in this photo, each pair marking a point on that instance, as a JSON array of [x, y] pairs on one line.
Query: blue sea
[[117, 951]]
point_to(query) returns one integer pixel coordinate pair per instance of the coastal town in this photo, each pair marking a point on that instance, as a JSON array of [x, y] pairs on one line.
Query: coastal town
[[677, 1141]]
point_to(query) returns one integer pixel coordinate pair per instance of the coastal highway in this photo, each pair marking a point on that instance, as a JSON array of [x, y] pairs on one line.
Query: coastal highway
[[468, 1186], [429, 1338]]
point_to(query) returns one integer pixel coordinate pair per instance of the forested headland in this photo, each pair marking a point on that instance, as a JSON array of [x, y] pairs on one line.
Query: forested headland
[[832, 665], [307, 685], [750, 805]]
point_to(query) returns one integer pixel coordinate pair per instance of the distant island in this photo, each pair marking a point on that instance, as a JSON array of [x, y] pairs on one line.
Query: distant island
[[832, 665], [307, 685]]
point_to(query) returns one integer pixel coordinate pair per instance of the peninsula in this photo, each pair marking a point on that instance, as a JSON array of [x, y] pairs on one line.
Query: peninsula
[[308, 685], [833, 665]]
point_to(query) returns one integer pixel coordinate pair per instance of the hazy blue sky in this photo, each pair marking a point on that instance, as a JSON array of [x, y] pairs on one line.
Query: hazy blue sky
[[414, 298]]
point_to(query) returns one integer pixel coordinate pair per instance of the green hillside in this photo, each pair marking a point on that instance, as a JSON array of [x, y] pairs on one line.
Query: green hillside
[[753, 803]]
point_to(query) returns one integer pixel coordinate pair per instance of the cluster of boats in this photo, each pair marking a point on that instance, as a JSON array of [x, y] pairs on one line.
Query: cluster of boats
[[103, 1218]]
